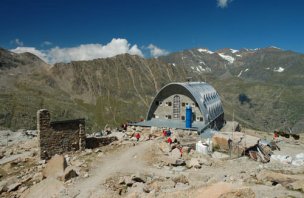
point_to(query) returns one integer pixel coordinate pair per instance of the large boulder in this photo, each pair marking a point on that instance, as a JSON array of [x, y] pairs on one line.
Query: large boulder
[[180, 179], [224, 190], [128, 181], [194, 162], [137, 188], [47, 188], [175, 153], [13, 187], [3, 187], [218, 155], [179, 168], [2, 154], [186, 150], [268, 176], [118, 135], [164, 147], [162, 185], [179, 162], [205, 162], [55, 167], [139, 178], [220, 141], [297, 185], [174, 158], [240, 193], [69, 173]]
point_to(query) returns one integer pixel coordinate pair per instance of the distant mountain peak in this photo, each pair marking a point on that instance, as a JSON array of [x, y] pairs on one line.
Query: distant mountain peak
[[234, 51], [274, 47], [204, 50]]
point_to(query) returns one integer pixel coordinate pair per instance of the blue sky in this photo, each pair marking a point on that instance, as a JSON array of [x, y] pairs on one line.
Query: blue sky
[[152, 28]]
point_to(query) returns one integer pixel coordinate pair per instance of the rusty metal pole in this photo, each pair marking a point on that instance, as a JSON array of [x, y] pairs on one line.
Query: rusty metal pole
[[7, 134]]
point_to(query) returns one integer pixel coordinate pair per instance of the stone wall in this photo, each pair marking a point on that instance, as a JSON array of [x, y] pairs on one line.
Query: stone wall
[[94, 142], [60, 136]]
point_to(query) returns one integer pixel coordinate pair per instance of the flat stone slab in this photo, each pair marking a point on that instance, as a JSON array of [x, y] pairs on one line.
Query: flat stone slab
[[243, 140]]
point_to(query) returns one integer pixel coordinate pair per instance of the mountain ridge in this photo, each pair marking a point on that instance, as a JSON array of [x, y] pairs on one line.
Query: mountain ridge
[[113, 90]]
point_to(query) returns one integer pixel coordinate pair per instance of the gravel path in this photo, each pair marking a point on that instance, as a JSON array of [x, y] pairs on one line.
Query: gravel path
[[129, 161]]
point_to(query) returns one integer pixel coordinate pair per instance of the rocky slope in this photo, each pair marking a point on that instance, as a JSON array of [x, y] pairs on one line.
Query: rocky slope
[[26, 85], [263, 87], [151, 167], [114, 89], [264, 65]]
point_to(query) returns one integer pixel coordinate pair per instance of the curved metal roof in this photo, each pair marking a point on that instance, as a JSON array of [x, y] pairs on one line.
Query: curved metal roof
[[202, 93]]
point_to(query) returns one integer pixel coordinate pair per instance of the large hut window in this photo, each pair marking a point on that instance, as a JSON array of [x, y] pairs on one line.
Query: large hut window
[[176, 107]]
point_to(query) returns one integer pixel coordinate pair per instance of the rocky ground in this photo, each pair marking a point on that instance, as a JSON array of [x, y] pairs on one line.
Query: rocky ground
[[148, 168]]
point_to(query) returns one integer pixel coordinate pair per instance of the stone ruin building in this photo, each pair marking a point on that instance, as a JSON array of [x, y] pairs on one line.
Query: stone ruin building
[[58, 137]]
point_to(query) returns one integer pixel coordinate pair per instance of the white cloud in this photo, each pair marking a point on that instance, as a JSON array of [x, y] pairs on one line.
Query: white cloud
[[135, 51], [83, 52], [93, 51], [32, 50], [17, 42], [46, 43], [156, 52], [223, 3]]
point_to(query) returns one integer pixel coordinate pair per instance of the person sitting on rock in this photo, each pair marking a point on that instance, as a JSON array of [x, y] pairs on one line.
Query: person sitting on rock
[[168, 133], [137, 136], [125, 126], [181, 151], [164, 133]]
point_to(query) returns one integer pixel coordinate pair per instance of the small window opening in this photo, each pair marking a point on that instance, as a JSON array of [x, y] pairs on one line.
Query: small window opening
[[169, 104]]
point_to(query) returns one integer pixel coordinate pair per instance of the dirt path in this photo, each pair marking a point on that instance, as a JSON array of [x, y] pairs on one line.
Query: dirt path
[[128, 161]]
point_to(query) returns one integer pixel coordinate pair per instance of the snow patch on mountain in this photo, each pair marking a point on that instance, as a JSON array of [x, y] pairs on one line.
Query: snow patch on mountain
[[205, 50], [234, 51], [280, 69], [201, 68], [274, 47], [228, 58], [241, 72]]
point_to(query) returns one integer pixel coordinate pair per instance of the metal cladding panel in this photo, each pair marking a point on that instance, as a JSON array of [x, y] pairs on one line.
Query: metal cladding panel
[[202, 93], [207, 98]]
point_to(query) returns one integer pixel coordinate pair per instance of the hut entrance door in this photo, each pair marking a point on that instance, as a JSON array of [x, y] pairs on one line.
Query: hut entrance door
[[176, 107]]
